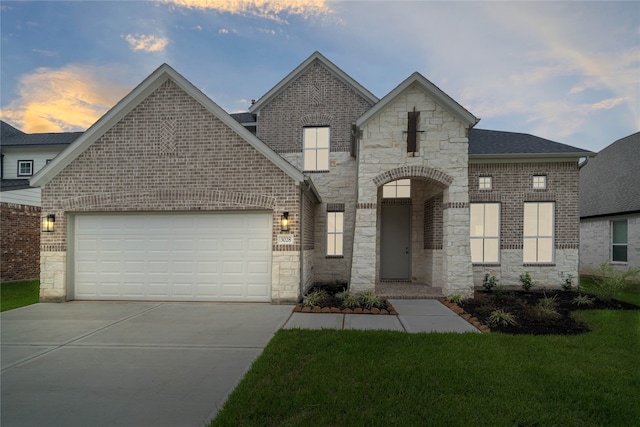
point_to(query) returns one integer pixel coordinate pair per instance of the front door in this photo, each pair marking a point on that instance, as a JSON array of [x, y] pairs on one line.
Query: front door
[[395, 242]]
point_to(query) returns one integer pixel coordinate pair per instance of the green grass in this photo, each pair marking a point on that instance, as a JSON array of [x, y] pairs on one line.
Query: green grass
[[19, 294], [630, 295], [381, 378]]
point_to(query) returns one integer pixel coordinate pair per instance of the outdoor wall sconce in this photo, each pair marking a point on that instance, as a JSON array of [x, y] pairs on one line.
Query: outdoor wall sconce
[[284, 222], [48, 223]]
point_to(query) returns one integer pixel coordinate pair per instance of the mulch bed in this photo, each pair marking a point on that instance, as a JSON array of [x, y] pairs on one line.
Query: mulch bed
[[521, 305], [334, 307]]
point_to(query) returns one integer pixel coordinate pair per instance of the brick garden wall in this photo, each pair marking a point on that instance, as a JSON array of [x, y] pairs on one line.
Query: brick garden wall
[[20, 242]]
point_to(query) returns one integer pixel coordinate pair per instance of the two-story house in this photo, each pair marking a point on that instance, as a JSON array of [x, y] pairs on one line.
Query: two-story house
[[168, 197]]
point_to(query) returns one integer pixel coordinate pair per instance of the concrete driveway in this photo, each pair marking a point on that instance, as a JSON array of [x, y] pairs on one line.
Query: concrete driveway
[[127, 364]]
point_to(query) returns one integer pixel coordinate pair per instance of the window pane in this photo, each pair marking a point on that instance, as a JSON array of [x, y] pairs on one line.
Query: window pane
[[331, 222], [545, 218], [322, 138], [619, 253], [492, 219], [331, 244], [309, 160], [338, 247], [530, 219], [310, 138], [545, 250], [388, 191], [491, 250], [619, 231], [339, 221], [404, 182], [530, 250], [476, 250], [404, 191], [322, 159], [476, 212]]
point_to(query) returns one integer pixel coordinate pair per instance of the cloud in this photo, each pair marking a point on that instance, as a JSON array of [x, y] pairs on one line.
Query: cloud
[[45, 52], [147, 43], [267, 9], [67, 99]]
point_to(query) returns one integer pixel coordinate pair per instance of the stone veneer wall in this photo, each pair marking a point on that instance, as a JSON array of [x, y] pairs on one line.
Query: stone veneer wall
[[20, 247], [512, 186], [170, 154], [595, 243], [441, 160], [318, 98]]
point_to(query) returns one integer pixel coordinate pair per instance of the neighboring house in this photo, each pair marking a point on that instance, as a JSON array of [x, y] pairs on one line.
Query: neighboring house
[[168, 197], [22, 156], [610, 207]]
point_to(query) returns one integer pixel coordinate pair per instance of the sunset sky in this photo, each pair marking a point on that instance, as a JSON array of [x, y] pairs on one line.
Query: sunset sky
[[566, 71]]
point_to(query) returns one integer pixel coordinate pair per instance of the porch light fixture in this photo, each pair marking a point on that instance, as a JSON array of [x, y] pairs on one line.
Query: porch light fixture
[[48, 223], [284, 222]]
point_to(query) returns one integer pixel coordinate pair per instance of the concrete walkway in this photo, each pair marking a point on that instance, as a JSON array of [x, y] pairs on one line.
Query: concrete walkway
[[414, 315]]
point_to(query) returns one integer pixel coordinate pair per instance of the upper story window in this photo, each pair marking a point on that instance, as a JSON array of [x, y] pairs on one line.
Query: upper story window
[[25, 167], [540, 182], [484, 183], [538, 232], [397, 189], [315, 149], [619, 240]]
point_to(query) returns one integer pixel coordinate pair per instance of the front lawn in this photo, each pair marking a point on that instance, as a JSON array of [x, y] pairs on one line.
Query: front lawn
[[630, 295], [19, 294], [344, 378]]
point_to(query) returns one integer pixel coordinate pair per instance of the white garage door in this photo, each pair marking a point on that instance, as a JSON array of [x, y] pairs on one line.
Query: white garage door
[[173, 257]]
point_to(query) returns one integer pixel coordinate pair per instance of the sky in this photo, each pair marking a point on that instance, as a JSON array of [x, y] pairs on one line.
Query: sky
[[568, 71]]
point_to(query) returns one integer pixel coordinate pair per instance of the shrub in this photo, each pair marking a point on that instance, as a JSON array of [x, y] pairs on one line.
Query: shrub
[[489, 282], [456, 298], [609, 283], [348, 300], [546, 309], [582, 299], [567, 284], [526, 280], [500, 317], [315, 298], [370, 300]]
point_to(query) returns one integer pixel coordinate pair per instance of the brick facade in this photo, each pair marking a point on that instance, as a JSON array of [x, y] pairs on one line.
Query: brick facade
[[170, 154], [20, 228]]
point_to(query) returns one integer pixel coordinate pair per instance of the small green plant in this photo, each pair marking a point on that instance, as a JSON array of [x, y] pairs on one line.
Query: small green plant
[[370, 300], [315, 298], [500, 317], [498, 293], [489, 282], [567, 283], [526, 280], [582, 300], [456, 298], [609, 283], [547, 308], [348, 299]]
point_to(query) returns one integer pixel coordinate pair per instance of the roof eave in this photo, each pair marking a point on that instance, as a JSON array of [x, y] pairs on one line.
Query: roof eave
[[507, 156]]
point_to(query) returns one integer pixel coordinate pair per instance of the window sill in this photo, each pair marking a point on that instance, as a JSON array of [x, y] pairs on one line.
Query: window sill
[[334, 256], [485, 264], [313, 171], [619, 262], [539, 264]]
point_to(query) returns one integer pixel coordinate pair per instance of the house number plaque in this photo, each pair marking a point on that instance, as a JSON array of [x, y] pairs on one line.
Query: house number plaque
[[285, 239]]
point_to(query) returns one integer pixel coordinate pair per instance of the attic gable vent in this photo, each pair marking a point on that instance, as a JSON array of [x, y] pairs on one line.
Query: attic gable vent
[[413, 119]]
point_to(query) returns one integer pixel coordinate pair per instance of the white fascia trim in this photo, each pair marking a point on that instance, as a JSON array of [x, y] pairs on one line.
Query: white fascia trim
[[300, 69], [525, 158], [132, 100], [444, 100]]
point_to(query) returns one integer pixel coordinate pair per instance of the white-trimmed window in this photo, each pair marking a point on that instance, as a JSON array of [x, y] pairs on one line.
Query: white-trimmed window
[[485, 232], [538, 232], [397, 189], [484, 183], [25, 167], [540, 182], [335, 233], [315, 149], [619, 240]]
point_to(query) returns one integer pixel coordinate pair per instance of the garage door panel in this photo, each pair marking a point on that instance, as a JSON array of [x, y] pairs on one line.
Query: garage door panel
[[186, 257]]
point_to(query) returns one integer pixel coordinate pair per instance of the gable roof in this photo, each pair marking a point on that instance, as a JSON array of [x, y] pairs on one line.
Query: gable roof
[[300, 69], [444, 100], [485, 143], [133, 99], [610, 182], [12, 137]]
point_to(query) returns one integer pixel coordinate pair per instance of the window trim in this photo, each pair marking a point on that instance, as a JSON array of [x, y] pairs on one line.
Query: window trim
[[334, 233], [484, 236], [315, 149], [20, 162], [613, 244], [538, 236]]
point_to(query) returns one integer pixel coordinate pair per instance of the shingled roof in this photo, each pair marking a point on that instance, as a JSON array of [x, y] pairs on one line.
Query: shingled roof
[[12, 137], [610, 182], [493, 143]]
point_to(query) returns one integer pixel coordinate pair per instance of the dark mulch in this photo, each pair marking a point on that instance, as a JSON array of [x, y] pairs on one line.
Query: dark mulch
[[522, 305]]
